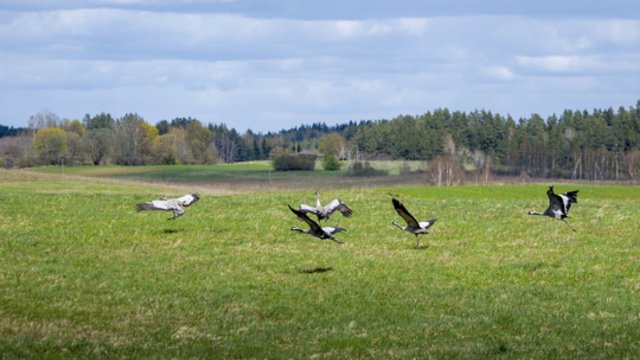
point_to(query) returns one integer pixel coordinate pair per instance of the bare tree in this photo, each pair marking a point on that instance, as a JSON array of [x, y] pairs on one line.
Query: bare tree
[[632, 163], [43, 119], [445, 171], [227, 148], [16, 150]]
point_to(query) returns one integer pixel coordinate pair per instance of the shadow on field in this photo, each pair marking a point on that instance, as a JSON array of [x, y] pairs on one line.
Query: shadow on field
[[171, 231], [316, 270]]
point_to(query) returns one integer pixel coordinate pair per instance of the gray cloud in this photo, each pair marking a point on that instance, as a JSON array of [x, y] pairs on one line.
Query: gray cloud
[[266, 72]]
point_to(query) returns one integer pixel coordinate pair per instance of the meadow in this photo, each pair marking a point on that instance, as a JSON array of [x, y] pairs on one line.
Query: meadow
[[82, 275]]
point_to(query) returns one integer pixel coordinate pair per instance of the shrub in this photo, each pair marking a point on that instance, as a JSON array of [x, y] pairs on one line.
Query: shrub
[[359, 168], [169, 159], [331, 163], [26, 161], [289, 162]]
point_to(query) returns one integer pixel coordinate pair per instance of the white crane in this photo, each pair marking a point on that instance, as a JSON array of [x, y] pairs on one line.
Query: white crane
[[413, 226], [316, 230], [176, 205], [559, 205], [324, 212]]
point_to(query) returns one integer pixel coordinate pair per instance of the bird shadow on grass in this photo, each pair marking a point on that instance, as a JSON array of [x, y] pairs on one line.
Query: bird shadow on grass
[[171, 231], [316, 270]]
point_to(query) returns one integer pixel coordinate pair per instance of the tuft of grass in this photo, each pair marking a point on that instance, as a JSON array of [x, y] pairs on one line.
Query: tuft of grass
[[82, 275]]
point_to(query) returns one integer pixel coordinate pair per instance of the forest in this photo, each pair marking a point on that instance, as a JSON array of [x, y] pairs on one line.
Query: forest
[[601, 144]]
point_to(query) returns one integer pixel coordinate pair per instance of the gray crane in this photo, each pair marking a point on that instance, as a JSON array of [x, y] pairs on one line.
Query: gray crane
[[559, 205], [413, 226], [176, 205], [321, 232], [324, 212]]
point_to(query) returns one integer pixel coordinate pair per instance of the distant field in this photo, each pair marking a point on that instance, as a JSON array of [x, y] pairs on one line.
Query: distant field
[[241, 175], [82, 275]]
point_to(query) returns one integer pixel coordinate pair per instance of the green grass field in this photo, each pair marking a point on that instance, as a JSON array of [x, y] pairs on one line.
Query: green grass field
[[82, 275]]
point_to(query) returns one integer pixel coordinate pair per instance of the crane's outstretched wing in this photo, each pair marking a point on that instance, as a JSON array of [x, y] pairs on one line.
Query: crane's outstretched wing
[[556, 204], [188, 199], [303, 216], [304, 208], [162, 205], [336, 204], [332, 230], [427, 224], [404, 213], [560, 204], [568, 198], [572, 195]]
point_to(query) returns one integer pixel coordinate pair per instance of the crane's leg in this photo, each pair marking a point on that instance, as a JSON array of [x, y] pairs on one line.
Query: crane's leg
[[336, 240], [565, 221], [418, 246], [175, 215]]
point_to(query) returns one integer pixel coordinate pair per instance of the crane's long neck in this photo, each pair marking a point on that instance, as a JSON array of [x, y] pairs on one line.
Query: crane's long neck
[[318, 199], [536, 213], [399, 226]]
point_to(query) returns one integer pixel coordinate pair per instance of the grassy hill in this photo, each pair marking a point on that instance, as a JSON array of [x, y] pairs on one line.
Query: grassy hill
[[82, 275]]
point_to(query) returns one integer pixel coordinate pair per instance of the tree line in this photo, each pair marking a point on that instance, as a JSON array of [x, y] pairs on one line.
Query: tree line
[[597, 144], [9, 131], [602, 144]]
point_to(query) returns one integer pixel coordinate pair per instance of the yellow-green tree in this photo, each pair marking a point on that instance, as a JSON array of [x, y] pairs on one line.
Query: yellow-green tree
[[50, 145], [171, 148], [77, 144], [73, 126], [332, 144], [134, 140], [200, 141], [332, 147]]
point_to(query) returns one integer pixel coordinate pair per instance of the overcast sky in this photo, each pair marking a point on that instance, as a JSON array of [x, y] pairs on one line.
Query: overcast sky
[[272, 64]]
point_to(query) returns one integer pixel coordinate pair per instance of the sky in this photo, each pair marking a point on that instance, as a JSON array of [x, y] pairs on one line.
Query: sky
[[267, 65]]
